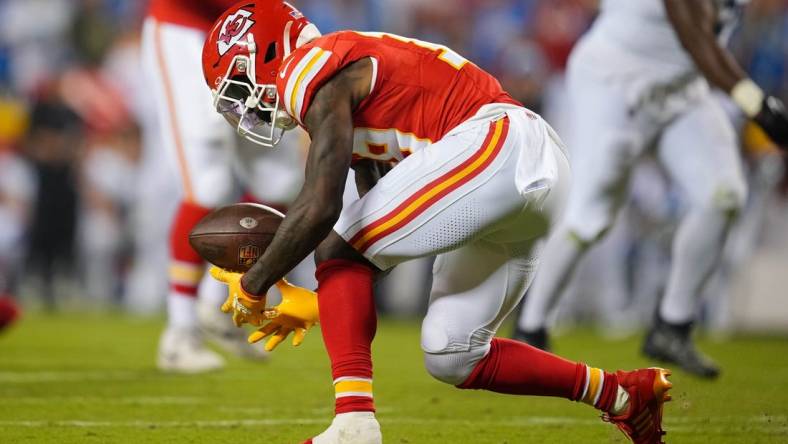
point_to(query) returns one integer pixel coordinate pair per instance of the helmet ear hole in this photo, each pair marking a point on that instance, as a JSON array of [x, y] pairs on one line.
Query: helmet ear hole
[[270, 52]]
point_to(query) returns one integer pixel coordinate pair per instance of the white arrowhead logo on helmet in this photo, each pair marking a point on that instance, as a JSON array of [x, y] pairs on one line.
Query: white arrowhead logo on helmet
[[233, 29]]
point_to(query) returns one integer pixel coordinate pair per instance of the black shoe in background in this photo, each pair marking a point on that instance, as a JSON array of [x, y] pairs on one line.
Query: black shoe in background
[[673, 343], [536, 338]]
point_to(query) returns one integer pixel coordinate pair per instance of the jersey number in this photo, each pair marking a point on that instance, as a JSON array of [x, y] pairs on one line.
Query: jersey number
[[445, 54]]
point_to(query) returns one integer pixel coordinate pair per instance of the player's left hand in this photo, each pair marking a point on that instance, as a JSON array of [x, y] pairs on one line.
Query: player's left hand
[[245, 307], [296, 314]]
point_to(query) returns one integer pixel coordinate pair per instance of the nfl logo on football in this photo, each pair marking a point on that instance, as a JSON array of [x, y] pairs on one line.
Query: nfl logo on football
[[248, 254]]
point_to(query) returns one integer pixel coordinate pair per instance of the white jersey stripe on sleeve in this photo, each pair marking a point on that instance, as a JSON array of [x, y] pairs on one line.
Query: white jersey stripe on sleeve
[[286, 37], [305, 78], [291, 81], [374, 74]]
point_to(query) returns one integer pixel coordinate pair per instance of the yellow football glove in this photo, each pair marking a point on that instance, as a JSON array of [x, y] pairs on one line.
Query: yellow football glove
[[296, 314], [244, 306]]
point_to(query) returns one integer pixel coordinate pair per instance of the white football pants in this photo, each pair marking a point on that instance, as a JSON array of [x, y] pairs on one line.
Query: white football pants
[[479, 199]]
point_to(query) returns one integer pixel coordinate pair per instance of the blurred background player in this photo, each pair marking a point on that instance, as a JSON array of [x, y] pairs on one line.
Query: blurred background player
[[53, 146], [639, 79], [206, 156], [17, 191]]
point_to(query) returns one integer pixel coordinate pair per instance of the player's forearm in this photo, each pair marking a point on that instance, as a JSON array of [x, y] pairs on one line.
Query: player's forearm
[[306, 225], [329, 121], [717, 65], [721, 70], [315, 210], [694, 22]]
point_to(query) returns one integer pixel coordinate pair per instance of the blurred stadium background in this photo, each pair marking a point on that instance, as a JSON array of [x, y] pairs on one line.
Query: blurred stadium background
[[86, 193]]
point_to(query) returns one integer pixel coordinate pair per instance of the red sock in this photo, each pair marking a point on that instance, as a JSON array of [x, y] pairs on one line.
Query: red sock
[[186, 266], [516, 368], [348, 323]]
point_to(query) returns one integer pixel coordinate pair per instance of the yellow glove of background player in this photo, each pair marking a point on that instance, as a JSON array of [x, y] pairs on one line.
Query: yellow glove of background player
[[244, 306], [296, 314]]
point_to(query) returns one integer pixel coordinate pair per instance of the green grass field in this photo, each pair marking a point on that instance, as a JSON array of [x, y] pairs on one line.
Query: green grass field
[[70, 379]]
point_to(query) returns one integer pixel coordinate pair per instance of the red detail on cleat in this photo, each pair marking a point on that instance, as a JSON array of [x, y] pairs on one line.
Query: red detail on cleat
[[308, 441], [647, 388]]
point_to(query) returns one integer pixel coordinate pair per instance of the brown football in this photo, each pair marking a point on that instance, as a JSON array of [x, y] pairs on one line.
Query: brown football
[[233, 237]]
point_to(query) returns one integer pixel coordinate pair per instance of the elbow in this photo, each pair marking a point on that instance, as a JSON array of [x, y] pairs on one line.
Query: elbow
[[326, 213], [332, 212], [331, 203]]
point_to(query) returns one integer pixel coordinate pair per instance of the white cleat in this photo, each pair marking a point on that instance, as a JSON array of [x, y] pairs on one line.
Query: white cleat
[[220, 330], [181, 350], [351, 428]]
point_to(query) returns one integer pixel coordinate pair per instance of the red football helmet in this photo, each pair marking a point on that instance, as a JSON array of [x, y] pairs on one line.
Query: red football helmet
[[240, 59]]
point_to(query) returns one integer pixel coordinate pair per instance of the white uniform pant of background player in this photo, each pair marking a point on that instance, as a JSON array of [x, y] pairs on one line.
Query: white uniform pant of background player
[[619, 113], [200, 146], [484, 232]]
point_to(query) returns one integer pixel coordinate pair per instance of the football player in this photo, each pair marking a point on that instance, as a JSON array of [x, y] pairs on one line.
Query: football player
[[206, 157], [448, 165], [641, 78]]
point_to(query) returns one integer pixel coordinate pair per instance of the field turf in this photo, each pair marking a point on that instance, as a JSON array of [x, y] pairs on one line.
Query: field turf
[[91, 379]]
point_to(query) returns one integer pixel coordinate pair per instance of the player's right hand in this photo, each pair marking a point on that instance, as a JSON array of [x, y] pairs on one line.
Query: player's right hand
[[246, 308], [773, 119]]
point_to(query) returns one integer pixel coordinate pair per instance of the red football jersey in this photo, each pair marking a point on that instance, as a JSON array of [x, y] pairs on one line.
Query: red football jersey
[[419, 90], [198, 14]]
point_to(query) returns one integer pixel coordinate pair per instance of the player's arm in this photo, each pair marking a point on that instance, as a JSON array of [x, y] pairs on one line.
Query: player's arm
[[329, 121], [368, 172], [694, 22]]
